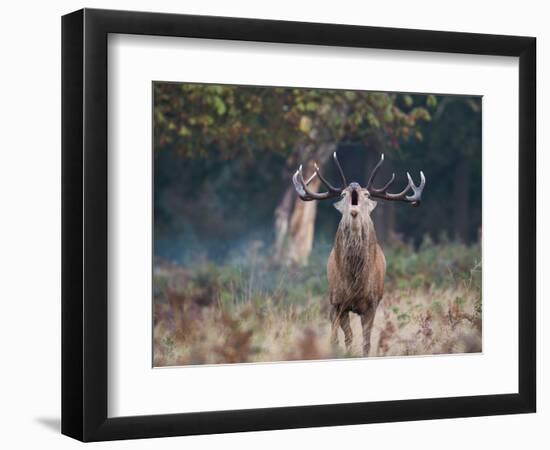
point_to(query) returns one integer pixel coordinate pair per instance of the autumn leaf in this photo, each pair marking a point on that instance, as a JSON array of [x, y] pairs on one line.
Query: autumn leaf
[[305, 124]]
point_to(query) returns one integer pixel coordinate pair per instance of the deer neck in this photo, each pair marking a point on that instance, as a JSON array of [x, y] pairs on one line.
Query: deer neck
[[354, 247]]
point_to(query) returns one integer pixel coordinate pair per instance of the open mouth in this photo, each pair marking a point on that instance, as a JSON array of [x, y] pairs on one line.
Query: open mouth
[[354, 198]]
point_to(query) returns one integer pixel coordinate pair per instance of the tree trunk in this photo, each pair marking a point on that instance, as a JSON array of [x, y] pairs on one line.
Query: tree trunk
[[282, 215], [295, 219], [301, 229]]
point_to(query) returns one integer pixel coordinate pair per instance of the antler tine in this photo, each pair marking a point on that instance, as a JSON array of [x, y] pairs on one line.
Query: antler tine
[[413, 198], [416, 197], [370, 187], [374, 172], [345, 183], [305, 194], [329, 186], [310, 179], [301, 187], [382, 189], [382, 193], [401, 194]]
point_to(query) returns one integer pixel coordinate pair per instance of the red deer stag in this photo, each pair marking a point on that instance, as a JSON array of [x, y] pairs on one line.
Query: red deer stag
[[356, 266]]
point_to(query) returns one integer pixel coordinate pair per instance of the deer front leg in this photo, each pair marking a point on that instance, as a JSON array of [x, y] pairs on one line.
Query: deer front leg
[[367, 319], [346, 328], [340, 318]]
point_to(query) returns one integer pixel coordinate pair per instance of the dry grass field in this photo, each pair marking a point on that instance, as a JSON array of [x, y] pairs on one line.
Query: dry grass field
[[248, 310]]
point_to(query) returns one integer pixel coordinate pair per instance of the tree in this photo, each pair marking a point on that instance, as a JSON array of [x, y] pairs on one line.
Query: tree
[[302, 125]]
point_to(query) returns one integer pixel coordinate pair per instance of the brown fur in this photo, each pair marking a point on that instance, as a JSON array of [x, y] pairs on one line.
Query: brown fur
[[356, 268]]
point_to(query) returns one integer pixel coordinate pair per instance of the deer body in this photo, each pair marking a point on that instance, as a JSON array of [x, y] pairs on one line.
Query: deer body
[[356, 265], [356, 268]]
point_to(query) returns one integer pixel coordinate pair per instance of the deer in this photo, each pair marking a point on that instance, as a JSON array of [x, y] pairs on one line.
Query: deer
[[356, 265]]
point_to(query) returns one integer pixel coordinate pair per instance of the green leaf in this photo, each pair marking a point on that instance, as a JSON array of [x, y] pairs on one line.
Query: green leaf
[[431, 101], [372, 120], [388, 114], [184, 131], [350, 95], [311, 106], [220, 106]]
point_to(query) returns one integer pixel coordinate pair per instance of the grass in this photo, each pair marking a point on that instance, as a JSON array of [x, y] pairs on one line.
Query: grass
[[250, 310]]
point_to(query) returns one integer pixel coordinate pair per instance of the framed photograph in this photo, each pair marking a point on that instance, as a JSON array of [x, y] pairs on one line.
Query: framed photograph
[[273, 224]]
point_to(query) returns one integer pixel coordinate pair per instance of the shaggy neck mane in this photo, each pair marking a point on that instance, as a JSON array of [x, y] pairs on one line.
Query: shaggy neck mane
[[352, 249]]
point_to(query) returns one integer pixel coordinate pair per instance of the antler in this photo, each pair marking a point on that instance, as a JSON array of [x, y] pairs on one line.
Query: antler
[[305, 194], [382, 193]]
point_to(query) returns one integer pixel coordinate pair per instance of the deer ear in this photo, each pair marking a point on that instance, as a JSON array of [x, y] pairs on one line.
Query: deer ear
[[339, 205], [371, 204]]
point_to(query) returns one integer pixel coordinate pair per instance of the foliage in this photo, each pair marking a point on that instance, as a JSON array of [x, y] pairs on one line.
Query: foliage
[[224, 157], [200, 119], [247, 310], [433, 265]]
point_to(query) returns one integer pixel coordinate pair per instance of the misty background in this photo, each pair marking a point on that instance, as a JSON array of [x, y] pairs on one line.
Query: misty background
[[211, 201]]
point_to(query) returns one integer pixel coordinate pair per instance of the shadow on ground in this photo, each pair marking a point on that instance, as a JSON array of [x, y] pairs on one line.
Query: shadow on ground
[[52, 423]]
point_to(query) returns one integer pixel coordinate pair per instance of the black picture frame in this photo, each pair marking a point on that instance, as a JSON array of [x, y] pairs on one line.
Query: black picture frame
[[84, 224]]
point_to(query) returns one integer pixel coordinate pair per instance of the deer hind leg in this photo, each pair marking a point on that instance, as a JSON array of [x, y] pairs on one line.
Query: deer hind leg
[[367, 319], [335, 322]]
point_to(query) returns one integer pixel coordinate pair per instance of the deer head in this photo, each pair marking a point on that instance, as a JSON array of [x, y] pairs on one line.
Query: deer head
[[355, 202]]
